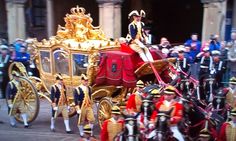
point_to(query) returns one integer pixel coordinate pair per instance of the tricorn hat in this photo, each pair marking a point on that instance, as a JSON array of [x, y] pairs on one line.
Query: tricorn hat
[[84, 77], [133, 13], [232, 80], [59, 76], [233, 112]]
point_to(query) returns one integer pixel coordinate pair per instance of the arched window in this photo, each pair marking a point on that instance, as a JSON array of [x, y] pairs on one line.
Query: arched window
[[61, 59]]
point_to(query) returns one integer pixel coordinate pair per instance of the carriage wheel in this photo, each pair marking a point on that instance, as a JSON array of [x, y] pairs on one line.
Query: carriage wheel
[[104, 110], [19, 67], [27, 97]]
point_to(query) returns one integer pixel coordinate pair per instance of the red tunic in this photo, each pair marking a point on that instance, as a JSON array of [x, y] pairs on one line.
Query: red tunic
[[176, 114], [110, 129], [227, 132], [134, 103]]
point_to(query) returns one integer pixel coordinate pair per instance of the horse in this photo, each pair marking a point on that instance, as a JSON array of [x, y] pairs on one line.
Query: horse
[[162, 130], [131, 131], [208, 86], [197, 118], [148, 103]]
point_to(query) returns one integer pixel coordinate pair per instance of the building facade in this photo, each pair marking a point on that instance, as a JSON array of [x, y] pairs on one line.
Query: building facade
[[175, 20]]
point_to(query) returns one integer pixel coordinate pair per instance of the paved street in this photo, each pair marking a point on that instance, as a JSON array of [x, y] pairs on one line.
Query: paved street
[[40, 129]]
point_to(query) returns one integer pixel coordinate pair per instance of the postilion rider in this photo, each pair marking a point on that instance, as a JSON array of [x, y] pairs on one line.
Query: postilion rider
[[137, 37], [135, 100], [113, 126], [167, 104], [59, 103], [228, 129], [83, 102], [15, 104]]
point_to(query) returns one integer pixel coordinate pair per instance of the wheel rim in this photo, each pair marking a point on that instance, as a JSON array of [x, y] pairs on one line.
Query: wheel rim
[[104, 110], [29, 99]]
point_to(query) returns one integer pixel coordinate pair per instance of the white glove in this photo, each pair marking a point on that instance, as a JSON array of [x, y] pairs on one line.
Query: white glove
[[10, 105], [68, 108], [55, 108], [78, 111]]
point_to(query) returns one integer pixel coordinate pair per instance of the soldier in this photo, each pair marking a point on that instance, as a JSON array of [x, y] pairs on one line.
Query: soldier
[[176, 115], [59, 103], [232, 54], [183, 60], [228, 129], [13, 93], [113, 126], [219, 66], [4, 64], [135, 100], [83, 102], [137, 37], [231, 95], [87, 134]]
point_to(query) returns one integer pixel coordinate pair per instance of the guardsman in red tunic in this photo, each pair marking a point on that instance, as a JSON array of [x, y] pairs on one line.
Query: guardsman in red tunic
[[113, 126], [135, 100], [231, 95], [167, 104], [87, 134], [228, 129]]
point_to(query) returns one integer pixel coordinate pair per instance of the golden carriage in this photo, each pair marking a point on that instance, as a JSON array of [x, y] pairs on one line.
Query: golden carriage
[[77, 48]]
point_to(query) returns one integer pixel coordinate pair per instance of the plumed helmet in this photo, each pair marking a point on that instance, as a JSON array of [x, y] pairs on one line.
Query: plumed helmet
[[140, 84], [115, 110]]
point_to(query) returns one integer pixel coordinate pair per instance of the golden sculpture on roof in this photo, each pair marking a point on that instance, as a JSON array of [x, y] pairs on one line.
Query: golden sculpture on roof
[[79, 27]]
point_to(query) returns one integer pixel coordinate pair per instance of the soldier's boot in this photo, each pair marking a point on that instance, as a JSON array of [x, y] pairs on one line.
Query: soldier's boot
[[52, 127], [81, 130], [143, 56], [67, 125], [12, 121], [24, 117], [149, 56]]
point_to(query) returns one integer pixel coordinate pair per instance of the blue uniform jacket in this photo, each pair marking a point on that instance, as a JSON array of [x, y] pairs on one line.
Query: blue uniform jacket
[[11, 91], [193, 52], [133, 30], [79, 96], [55, 94]]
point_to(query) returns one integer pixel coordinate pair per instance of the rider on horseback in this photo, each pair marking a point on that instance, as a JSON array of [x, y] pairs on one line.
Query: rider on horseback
[[113, 126], [176, 115]]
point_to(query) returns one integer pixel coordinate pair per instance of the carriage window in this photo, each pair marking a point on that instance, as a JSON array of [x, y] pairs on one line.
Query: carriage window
[[45, 61], [61, 59], [80, 63]]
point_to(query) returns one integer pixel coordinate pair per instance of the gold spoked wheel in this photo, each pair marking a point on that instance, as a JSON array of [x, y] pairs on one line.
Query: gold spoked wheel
[[26, 100], [19, 67], [104, 110]]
